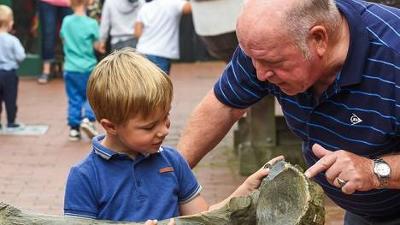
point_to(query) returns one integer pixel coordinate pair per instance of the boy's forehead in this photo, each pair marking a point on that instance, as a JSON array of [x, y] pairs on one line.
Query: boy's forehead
[[153, 115]]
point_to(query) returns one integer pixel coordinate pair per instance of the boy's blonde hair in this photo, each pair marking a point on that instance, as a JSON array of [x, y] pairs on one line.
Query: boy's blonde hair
[[6, 16], [125, 85]]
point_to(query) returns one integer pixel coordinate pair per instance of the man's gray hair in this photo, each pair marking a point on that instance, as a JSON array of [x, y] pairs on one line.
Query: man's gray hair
[[307, 13]]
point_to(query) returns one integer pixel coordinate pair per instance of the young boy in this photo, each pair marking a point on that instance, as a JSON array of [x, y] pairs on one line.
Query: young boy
[[79, 34], [11, 54], [129, 175], [157, 27]]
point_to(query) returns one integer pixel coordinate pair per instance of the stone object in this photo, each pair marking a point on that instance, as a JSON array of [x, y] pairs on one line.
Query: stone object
[[285, 197]]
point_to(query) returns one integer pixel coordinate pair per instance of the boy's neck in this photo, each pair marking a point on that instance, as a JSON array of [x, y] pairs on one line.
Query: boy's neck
[[114, 145], [4, 29], [80, 10]]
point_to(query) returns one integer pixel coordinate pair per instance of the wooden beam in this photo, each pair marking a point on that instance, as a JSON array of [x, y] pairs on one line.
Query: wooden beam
[[285, 197]]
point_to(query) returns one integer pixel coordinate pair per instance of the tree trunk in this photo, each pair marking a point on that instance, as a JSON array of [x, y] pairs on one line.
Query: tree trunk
[[285, 197]]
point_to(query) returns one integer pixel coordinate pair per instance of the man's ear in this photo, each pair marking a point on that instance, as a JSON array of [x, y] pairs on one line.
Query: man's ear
[[318, 39], [108, 126]]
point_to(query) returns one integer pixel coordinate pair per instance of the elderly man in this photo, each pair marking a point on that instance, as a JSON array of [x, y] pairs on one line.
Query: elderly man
[[335, 69]]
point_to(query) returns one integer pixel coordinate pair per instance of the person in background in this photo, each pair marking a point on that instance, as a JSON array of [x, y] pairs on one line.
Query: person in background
[[11, 55], [80, 34], [157, 28], [129, 175], [117, 23], [94, 9], [51, 14]]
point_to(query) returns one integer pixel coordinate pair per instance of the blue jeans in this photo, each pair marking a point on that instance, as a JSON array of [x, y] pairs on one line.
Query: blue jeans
[[50, 17], [78, 105], [353, 219], [163, 63]]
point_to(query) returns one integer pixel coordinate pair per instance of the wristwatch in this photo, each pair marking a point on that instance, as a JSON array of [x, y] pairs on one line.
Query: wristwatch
[[382, 171]]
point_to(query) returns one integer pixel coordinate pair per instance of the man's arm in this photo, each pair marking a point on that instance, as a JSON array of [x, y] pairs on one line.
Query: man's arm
[[105, 25], [187, 8], [138, 29], [207, 125]]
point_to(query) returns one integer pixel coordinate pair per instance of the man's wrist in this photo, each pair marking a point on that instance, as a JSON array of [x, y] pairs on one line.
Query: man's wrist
[[382, 171], [394, 180]]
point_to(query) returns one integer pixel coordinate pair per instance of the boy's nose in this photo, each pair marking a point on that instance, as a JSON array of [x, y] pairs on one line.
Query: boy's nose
[[163, 132]]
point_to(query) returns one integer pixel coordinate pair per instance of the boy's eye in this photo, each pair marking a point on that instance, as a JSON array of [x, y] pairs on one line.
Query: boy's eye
[[148, 128]]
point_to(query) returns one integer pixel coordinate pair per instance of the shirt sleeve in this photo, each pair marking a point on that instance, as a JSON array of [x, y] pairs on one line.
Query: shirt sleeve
[[79, 199], [238, 86], [140, 14], [96, 31], [19, 51], [189, 188]]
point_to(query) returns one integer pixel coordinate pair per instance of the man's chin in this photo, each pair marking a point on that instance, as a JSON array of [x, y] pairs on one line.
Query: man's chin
[[290, 92]]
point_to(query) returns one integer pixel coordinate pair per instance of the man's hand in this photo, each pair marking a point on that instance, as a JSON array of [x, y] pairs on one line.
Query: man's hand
[[344, 170]]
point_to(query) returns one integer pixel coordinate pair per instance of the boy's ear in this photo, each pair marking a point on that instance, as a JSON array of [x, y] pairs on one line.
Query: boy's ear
[[108, 126]]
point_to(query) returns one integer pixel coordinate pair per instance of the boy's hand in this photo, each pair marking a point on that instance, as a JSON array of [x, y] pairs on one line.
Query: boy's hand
[[100, 46], [151, 222], [254, 181], [154, 222]]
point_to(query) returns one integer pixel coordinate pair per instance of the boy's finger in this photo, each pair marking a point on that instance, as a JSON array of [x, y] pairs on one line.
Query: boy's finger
[[271, 162], [171, 222], [151, 222]]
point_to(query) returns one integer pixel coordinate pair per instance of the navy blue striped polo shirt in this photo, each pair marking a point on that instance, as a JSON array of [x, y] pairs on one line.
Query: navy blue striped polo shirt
[[360, 110], [111, 186]]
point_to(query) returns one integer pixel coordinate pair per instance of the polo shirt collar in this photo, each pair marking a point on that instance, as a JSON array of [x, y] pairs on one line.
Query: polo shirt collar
[[107, 153], [353, 67]]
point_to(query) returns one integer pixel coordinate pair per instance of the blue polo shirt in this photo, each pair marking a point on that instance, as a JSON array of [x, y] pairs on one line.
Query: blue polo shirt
[[359, 112], [111, 186]]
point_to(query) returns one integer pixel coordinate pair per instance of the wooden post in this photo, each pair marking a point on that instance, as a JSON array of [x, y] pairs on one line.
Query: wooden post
[[263, 135]]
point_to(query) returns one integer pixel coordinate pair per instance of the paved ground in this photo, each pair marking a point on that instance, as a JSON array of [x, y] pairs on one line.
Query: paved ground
[[34, 168]]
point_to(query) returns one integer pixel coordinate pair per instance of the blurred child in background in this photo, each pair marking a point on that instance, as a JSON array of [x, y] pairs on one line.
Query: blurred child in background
[[157, 27], [117, 23], [80, 34], [11, 54]]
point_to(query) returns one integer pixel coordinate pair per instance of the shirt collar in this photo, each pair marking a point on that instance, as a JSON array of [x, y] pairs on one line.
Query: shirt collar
[[353, 67], [107, 153]]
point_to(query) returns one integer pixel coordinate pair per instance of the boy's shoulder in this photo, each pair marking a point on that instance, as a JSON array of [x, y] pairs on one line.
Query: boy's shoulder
[[73, 18], [9, 36], [172, 154], [86, 162], [168, 150]]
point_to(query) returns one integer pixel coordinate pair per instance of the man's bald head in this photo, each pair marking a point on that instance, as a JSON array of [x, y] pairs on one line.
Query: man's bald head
[[289, 18]]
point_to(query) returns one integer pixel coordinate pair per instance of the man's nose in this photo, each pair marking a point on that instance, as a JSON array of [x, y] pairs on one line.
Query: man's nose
[[265, 75]]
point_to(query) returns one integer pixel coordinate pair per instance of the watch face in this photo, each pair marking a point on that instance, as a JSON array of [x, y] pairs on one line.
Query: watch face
[[382, 169]]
